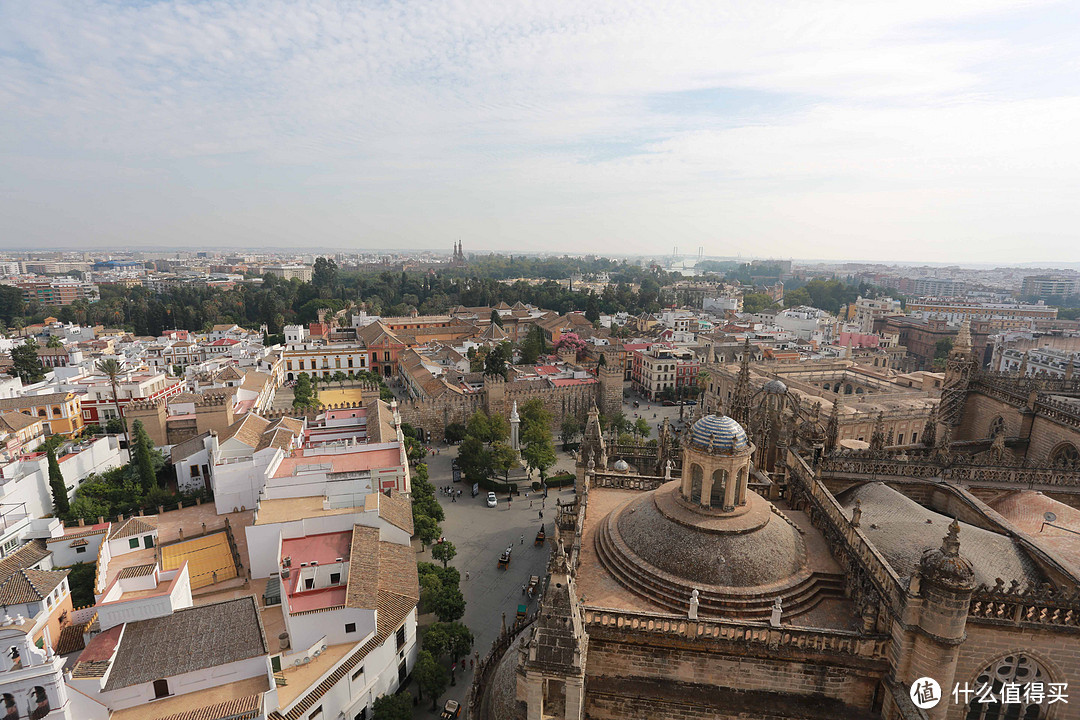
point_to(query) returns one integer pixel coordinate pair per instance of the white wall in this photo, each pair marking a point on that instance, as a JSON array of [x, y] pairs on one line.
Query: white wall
[[113, 611], [64, 554], [188, 682], [122, 546], [307, 628]]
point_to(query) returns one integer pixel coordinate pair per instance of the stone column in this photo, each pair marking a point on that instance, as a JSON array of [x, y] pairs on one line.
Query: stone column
[[534, 697], [575, 698], [515, 422]]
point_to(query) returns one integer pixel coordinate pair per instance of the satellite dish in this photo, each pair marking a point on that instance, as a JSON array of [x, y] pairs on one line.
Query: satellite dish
[[1049, 516]]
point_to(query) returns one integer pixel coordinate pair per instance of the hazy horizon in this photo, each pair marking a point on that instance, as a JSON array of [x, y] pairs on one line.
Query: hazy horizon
[[916, 133]]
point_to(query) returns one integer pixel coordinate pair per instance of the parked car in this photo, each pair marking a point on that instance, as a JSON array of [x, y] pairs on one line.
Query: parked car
[[492, 501], [451, 710]]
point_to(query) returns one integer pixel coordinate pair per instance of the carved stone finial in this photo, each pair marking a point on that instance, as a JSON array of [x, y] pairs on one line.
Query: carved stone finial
[[694, 602]]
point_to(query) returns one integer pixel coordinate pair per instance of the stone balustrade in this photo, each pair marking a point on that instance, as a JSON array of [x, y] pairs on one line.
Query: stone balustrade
[[1059, 411], [597, 620], [999, 609], [839, 527], [627, 482], [990, 475]]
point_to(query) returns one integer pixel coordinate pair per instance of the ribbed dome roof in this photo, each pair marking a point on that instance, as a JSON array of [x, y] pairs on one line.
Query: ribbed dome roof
[[775, 387], [718, 434]]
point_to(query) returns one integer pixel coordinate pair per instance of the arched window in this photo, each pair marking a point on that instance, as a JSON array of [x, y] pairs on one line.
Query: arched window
[[1065, 455], [1018, 669], [39, 703], [997, 425], [848, 389], [825, 386], [719, 484], [696, 475], [858, 391]]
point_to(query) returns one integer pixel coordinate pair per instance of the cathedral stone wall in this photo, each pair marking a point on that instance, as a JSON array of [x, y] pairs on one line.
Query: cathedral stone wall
[[1046, 436], [981, 410], [732, 669], [1057, 652]]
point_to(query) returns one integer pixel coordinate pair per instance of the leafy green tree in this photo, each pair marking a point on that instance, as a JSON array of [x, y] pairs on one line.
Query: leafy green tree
[[27, 364], [496, 359], [757, 302], [474, 459], [324, 275], [340, 378], [449, 604], [444, 552], [141, 448], [61, 505], [54, 341], [454, 432], [498, 428], [448, 638], [496, 318], [81, 581], [427, 530], [112, 369], [393, 707], [115, 426], [304, 394], [539, 450], [569, 429], [431, 677], [503, 458], [437, 639], [641, 428]]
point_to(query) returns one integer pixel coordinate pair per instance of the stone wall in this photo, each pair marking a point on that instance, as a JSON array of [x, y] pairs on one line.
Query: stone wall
[[1046, 436], [981, 410], [797, 674], [1057, 652]]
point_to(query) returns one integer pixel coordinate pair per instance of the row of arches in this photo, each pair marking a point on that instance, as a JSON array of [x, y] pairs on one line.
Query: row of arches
[[716, 488], [37, 705], [848, 388]]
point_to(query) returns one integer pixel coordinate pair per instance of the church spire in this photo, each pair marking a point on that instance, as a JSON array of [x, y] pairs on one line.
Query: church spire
[[740, 398]]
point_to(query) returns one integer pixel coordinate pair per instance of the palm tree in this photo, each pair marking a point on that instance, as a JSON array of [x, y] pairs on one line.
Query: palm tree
[[111, 368]]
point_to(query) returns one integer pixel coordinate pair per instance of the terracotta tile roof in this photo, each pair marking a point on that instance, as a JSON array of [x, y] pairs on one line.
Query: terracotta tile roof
[[70, 639], [27, 556], [16, 421], [248, 430], [86, 532], [230, 373], [396, 509], [188, 640], [189, 447], [280, 438], [135, 526], [30, 401], [138, 571], [362, 586], [80, 542], [25, 586], [244, 708]]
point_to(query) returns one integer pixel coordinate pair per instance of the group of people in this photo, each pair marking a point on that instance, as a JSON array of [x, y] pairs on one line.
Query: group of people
[[451, 492]]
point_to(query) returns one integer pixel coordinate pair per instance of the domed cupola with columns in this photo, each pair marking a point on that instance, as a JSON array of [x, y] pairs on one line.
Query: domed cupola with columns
[[716, 463]]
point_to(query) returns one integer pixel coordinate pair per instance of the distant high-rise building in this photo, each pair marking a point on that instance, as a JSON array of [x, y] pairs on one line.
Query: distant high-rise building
[[1049, 286]]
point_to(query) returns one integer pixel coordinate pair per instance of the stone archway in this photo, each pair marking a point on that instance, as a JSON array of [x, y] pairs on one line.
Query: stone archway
[[1016, 668], [1065, 455], [696, 477], [719, 487]]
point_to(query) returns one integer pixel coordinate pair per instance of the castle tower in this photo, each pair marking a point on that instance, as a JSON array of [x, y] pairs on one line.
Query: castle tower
[[551, 679], [958, 369], [611, 389], [152, 414], [515, 422], [494, 395], [944, 585]]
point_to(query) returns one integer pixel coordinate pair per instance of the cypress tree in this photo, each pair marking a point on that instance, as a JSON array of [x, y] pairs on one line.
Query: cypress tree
[[61, 506]]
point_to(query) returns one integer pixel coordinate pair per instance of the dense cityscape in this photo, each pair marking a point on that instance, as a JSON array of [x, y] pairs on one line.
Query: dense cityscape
[[311, 480]]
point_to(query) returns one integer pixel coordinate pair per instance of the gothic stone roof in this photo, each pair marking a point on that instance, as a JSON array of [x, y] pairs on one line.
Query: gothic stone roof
[[903, 530]]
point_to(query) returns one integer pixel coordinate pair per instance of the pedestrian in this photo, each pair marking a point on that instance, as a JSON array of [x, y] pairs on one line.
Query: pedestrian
[[522, 540], [522, 588], [530, 504], [466, 575], [541, 514]]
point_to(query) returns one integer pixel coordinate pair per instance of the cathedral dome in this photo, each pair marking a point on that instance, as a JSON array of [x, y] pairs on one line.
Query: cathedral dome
[[718, 434], [775, 387], [704, 549]]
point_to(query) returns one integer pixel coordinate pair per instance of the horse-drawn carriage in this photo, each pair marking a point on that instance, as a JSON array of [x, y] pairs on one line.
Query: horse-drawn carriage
[[540, 537], [504, 559]]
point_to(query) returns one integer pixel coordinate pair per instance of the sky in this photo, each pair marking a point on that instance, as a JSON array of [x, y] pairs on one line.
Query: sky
[[910, 131]]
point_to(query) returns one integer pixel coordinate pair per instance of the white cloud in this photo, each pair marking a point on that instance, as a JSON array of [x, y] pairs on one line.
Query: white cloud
[[883, 130]]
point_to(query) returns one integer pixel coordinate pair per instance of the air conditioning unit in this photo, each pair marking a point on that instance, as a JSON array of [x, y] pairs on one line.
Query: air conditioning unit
[[314, 563]]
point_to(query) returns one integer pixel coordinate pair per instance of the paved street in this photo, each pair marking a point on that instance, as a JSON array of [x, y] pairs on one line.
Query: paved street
[[481, 533]]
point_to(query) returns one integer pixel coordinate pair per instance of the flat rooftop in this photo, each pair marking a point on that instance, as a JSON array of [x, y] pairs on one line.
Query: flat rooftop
[[286, 509], [362, 459]]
